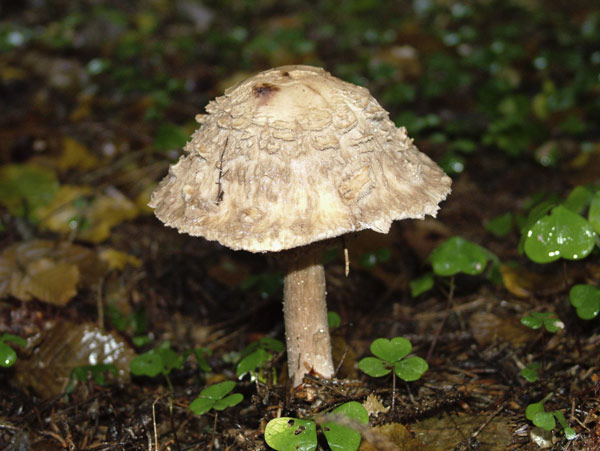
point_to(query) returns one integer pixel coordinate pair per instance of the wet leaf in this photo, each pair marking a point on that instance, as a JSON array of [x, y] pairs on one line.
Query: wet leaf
[[67, 346], [561, 234], [8, 356], [291, 434], [24, 188]]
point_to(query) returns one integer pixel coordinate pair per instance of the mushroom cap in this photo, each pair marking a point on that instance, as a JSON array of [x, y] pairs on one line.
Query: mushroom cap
[[292, 156]]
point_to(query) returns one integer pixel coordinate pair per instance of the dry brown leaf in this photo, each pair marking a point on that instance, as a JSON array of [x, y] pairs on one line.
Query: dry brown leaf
[[393, 436], [47, 270], [66, 346], [374, 406], [489, 329]]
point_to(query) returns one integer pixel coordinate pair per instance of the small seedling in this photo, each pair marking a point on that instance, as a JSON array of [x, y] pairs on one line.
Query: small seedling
[[390, 355], [546, 420], [290, 434], [549, 320], [256, 355], [530, 372], [160, 360], [8, 356], [216, 397], [586, 299], [333, 320]]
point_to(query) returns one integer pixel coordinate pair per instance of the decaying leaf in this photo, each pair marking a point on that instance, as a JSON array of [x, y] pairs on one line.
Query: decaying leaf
[[46, 270], [489, 329], [374, 405], [66, 346], [524, 283], [388, 437], [92, 215]]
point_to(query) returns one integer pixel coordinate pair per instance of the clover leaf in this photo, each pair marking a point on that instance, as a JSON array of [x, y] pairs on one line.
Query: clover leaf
[[562, 233], [390, 355], [586, 299], [214, 397], [457, 255]]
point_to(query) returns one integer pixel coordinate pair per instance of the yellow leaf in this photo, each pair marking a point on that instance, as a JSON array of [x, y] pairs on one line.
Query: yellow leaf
[[75, 156], [49, 281], [118, 260]]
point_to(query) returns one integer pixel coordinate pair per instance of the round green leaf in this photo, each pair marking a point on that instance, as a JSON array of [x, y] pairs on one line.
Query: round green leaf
[[586, 299], [228, 401], [411, 368], [391, 350], [374, 367], [14, 339], [459, 255], [563, 233], [341, 437], [421, 284], [533, 409], [8, 356], [333, 320], [147, 364], [291, 434], [545, 420]]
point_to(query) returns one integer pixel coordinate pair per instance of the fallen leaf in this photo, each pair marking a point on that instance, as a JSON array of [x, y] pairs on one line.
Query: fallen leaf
[[489, 329], [118, 260], [75, 156], [524, 284]]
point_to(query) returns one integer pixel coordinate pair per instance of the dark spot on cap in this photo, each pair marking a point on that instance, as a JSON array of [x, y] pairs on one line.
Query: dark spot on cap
[[264, 91], [285, 73]]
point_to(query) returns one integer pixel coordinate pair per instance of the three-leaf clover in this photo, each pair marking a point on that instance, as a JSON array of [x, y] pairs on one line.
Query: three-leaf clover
[[457, 255], [546, 420], [215, 397], [161, 359], [535, 320], [390, 355], [291, 434]]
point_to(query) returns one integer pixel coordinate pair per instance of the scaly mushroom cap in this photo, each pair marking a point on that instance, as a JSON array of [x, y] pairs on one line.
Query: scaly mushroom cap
[[294, 155]]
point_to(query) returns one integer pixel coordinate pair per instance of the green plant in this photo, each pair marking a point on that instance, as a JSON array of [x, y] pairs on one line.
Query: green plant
[[216, 397], [160, 360], [290, 434], [8, 356], [530, 372], [586, 300], [546, 420], [256, 355], [549, 320], [98, 373]]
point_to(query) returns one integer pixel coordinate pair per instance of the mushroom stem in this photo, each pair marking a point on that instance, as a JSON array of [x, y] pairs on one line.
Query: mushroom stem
[[305, 314]]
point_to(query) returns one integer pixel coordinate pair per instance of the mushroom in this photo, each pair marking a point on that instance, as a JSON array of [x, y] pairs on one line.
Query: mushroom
[[285, 160]]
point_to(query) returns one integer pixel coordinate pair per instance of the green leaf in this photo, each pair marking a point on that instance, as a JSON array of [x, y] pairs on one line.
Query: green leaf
[[228, 401], [8, 356], [561, 234], [594, 213], [147, 364], [200, 354], [170, 359], [411, 368], [570, 433], [421, 284], [25, 187], [218, 391], [170, 136], [253, 361], [530, 372], [586, 299], [545, 420], [333, 320], [341, 437], [578, 199], [533, 409], [15, 339], [391, 350], [459, 255], [291, 434], [535, 320], [374, 367], [500, 225], [201, 405]]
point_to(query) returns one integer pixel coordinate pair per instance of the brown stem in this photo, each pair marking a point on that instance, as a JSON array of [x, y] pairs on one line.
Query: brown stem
[[305, 314]]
